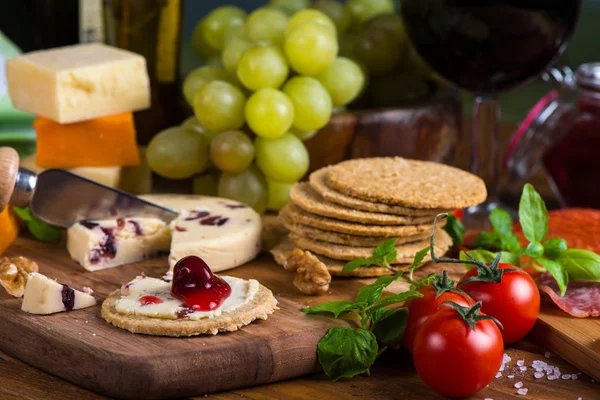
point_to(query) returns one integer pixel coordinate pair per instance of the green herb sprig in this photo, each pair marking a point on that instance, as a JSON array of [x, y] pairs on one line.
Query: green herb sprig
[[348, 351], [546, 254], [38, 228]]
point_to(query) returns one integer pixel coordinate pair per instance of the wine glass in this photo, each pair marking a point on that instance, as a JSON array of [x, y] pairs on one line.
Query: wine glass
[[488, 46]]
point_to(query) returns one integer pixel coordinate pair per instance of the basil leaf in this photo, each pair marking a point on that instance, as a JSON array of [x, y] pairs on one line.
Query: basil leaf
[[397, 298], [488, 257], [38, 228], [360, 262], [455, 228], [346, 352], [501, 222], [534, 250], [337, 308], [554, 247], [387, 247], [557, 271], [533, 215], [389, 325], [488, 240], [421, 254], [369, 294], [23, 213], [581, 265]]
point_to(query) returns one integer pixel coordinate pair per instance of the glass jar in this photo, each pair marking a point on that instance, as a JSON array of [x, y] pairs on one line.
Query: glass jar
[[561, 133]]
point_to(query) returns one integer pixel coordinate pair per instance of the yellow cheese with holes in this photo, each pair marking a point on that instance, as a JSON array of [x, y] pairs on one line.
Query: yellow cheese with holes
[[78, 83]]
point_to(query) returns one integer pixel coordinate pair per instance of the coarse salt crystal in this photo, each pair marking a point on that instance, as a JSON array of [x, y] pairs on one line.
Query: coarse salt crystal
[[487, 398], [538, 375], [552, 377], [523, 391], [519, 385], [502, 368], [93, 334], [498, 375], [523, 368], [566, 376], [547, 354], [573, 376], [520, 363], [510, 376], [506, 358]]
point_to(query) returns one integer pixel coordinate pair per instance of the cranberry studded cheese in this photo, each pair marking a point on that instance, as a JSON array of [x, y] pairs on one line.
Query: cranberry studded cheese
[[223, 232]]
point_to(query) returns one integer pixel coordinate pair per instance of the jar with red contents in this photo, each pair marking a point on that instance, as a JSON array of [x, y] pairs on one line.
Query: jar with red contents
[[563, 137]]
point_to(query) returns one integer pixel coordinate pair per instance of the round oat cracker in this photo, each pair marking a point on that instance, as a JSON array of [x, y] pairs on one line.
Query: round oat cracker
[[409, 183], [305, 197], [260, 307], [318, 181], [284, 248], [406, 252], [299, 216], [343, 238]]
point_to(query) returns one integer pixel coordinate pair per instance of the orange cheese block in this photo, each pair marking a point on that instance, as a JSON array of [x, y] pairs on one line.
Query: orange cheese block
[[101, 142], [9, 229]]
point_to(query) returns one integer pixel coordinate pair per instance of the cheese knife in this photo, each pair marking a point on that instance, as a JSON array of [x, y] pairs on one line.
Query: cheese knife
[[61, 198]]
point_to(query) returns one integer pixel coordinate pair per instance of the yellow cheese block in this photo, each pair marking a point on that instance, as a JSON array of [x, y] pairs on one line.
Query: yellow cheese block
[[101, 142], [9, 229], [78, 83]]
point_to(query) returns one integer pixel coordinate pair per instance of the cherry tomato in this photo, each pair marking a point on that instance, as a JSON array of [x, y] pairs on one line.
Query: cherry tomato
[[455, 360], [515, 301], [421, 308], [458, 214]]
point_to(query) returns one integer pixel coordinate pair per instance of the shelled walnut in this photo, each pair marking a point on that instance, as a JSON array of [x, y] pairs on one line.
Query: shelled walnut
[[14, 272], [312, 276]]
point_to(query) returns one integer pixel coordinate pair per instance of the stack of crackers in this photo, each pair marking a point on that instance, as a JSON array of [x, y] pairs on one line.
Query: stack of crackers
[[347, 210]]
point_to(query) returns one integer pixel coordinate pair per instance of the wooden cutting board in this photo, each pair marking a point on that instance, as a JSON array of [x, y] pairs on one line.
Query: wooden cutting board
[[81, 347]]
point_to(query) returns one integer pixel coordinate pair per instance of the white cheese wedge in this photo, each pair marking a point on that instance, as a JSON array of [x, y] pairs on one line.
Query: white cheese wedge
[[224, 233], [105, 244], [78, 83], [109, 176], [46, 296], [242, 292]]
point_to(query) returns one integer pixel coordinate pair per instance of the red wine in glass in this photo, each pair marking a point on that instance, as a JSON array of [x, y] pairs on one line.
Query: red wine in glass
[[486, 47]]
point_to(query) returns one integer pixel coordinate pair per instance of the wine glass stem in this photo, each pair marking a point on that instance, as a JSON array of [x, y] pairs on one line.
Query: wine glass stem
[[485, 161]]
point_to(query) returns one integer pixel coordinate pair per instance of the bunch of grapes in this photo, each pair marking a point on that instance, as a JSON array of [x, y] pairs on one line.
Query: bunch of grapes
[[271, 80]]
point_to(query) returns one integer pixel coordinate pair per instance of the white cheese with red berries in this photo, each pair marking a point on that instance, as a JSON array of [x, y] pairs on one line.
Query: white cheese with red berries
[[46, 296], [152, 298], [105, 244], [224, 233]]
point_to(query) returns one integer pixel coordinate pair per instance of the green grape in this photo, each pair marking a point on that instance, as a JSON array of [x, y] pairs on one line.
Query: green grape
[[195, 125], [346, 44], [363, 10], [206, 184], [344, 80], [234, 32], [262, 66], [310, 48], [303, 135], [291, 6], [390, 22], [284, 159], [336, 11], [177, 153], [232, 151], [279, 194], [215, 24], [379, 50], [219, 106], [266, 24], [234, 50], [214, 62], [199, 44], [269, 113], [312, 102], [199, 77], [249, 187], [310, 15]]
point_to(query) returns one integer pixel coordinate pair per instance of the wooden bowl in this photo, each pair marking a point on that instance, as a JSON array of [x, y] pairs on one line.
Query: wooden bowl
[[429, 130]]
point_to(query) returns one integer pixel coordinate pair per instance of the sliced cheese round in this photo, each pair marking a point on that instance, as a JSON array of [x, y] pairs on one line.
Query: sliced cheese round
[[223, 232]]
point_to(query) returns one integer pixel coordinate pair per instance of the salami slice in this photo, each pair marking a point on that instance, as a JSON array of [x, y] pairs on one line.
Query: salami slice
[[582, 299]]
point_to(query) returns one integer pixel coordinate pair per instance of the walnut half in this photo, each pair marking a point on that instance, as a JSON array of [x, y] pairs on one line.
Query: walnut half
[[14, 272], [312, 276]]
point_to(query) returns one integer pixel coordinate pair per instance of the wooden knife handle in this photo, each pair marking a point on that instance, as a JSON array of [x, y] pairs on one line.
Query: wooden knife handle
[[9, 168]]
